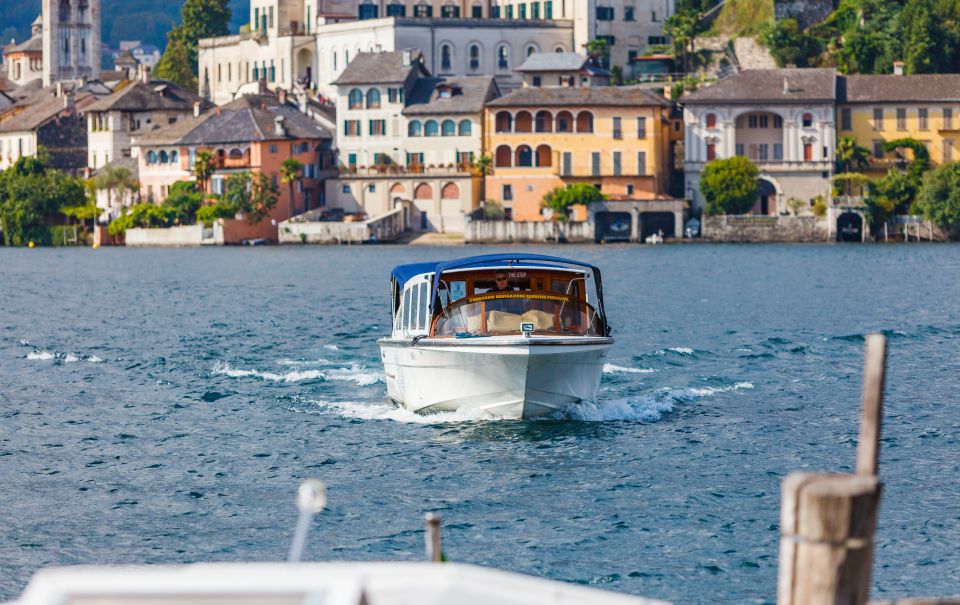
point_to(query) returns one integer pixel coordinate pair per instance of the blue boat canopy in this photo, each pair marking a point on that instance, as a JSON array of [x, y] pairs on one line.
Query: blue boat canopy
[[404, 273]]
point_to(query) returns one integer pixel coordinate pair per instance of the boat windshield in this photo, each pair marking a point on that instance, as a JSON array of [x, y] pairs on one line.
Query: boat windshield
[[501, 313]]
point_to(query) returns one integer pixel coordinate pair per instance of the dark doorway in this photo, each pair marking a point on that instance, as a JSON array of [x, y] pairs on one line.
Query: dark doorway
[[612, 226], [657, 222], [768, 198], [849, 227]]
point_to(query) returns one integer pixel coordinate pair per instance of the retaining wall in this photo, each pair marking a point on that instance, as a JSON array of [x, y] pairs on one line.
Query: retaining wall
[[496, 232], [184, 235], [765, 229]]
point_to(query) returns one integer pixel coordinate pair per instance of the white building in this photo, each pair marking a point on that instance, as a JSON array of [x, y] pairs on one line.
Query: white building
[[139, 106], [558, 69], [405, 135], [781, 119], [24, 61], [450, 47]]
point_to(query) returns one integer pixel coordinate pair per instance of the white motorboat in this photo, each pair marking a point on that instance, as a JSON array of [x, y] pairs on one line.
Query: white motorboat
[[505, 335]]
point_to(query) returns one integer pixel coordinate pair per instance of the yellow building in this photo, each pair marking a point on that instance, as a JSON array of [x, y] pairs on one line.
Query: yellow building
[[619, 139], [878, 109]]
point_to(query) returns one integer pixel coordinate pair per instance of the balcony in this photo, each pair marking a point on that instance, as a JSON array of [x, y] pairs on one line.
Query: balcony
[[773, 165], [389, 170]]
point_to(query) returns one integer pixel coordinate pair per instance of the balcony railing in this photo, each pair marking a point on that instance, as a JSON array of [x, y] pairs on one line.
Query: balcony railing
[[399, 170]]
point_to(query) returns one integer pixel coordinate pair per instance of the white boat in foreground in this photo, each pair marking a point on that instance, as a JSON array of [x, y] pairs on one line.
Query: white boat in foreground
[[506, 335]]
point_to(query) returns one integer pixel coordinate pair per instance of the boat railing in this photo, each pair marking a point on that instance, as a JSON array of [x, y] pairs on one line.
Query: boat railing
[[503, 313]]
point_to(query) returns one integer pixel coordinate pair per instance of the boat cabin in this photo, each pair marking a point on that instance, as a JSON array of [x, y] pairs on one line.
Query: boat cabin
[[497, 295]]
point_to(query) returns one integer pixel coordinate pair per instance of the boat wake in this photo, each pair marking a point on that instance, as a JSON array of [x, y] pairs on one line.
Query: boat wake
[[355, 373], [647, 408], [43, 355]]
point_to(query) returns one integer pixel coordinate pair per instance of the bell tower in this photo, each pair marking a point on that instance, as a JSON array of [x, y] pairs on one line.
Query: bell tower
[[71, 40]]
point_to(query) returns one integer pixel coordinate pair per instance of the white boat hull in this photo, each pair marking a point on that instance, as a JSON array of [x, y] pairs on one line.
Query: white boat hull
[[503, 377]]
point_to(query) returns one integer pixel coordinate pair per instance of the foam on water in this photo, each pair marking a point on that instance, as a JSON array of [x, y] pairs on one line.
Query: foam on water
[[41, 355], [70, 358], [331, 347], [355, 373], [609, 368]]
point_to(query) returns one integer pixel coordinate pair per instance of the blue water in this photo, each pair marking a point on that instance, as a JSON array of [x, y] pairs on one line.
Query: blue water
[[163, 405]]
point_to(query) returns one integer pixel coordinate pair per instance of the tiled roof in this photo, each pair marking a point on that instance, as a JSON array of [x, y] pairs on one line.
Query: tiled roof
[[904, 89], [33, 45], [143, 96], [553, 62], [789, 85], [43, 108], [620, 96], [380, 68], [169, 134], [468, 95]]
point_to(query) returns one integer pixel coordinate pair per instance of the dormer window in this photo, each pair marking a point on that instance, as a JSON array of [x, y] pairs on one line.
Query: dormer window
[[446, 93]]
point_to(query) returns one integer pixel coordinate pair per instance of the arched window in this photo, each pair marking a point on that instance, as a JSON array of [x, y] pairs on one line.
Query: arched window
[[174, 157], [474, 54], [397, 188], [524, 156], [448, 128], [584, 121], [504, 122], [355, 99], [423, 192], [503, 57], [503, 158], [807, 120], [373, 98], [151, 157], [523, 122], [235, 154], [544, 156], [431, 129], [564, 122], [164, 158], [559, 49], [446, 57], [414, 129], [532, 48], [543, 122], [450, 191], [466, 127], [711, 120]]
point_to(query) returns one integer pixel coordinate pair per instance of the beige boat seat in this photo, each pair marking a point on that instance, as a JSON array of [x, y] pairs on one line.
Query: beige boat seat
[[541, 320], [501, 321]]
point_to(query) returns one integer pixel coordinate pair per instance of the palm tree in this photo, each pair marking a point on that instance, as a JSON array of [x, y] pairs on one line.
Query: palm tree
[[851, 157], [203, 169], [483, 166], [291, 171], [113, 178]]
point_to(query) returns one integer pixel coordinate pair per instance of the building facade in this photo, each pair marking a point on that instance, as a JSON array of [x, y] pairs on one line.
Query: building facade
[[562, 69], [24, 61], [404, 135], [618, 139], [781, 119], [71, 40], [54, 122]]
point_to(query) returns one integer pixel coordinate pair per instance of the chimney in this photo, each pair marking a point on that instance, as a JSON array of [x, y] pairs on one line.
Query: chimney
[[58, 89], [279, 128], [67, 101], [786, 85], [196, 109], [143, 73], [282, 96], [668, 92], [898, 68], [406, 58]]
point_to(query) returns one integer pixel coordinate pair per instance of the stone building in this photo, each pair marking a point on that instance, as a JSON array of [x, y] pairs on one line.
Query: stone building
[[24, 61], [781, 119], [49, 120], [71, 40], [562, 69], [406, 135]]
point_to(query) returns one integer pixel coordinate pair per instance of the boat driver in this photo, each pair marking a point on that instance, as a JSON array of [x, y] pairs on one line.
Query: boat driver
[[502, 284]]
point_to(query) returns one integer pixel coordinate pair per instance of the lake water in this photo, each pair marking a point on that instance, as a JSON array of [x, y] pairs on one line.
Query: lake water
[[163, 406]]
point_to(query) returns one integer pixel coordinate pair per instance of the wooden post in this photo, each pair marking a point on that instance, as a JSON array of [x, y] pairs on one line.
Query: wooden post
[[827, 522], [874, 369], [432, 537]]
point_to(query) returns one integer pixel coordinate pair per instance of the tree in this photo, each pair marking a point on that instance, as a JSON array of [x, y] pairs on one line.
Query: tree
[[183, 201], [561, 199], [682, 28], [893, 194], [789, 45], [251, 194], [920, 42], [113, 178], [921, 157], [203, 169], [144, 215], [483, 166], [851, 156], [939, 197], [291, 172], [176, 64], [599, 49], [729, 185], [31, 194]]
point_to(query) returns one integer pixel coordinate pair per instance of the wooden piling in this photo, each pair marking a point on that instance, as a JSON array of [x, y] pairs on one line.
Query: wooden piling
[[827, 521], [432, 537]]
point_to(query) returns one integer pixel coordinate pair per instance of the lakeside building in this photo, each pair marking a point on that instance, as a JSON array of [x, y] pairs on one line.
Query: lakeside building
[[134, 107], [406, 135], [562, 69], [254, 133], [619, 139], [24, 61], [878, 109], [781, 119], [49, 118]]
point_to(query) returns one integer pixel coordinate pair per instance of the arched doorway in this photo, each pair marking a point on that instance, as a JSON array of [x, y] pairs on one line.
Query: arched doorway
[[661, 223], [849, 227], [305, 68], [612, 226], [767, 200]]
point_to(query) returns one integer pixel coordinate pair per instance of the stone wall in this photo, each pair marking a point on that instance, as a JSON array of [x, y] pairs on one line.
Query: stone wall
[[176, 237], [497, 232], [806, 12], [765, 229]]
